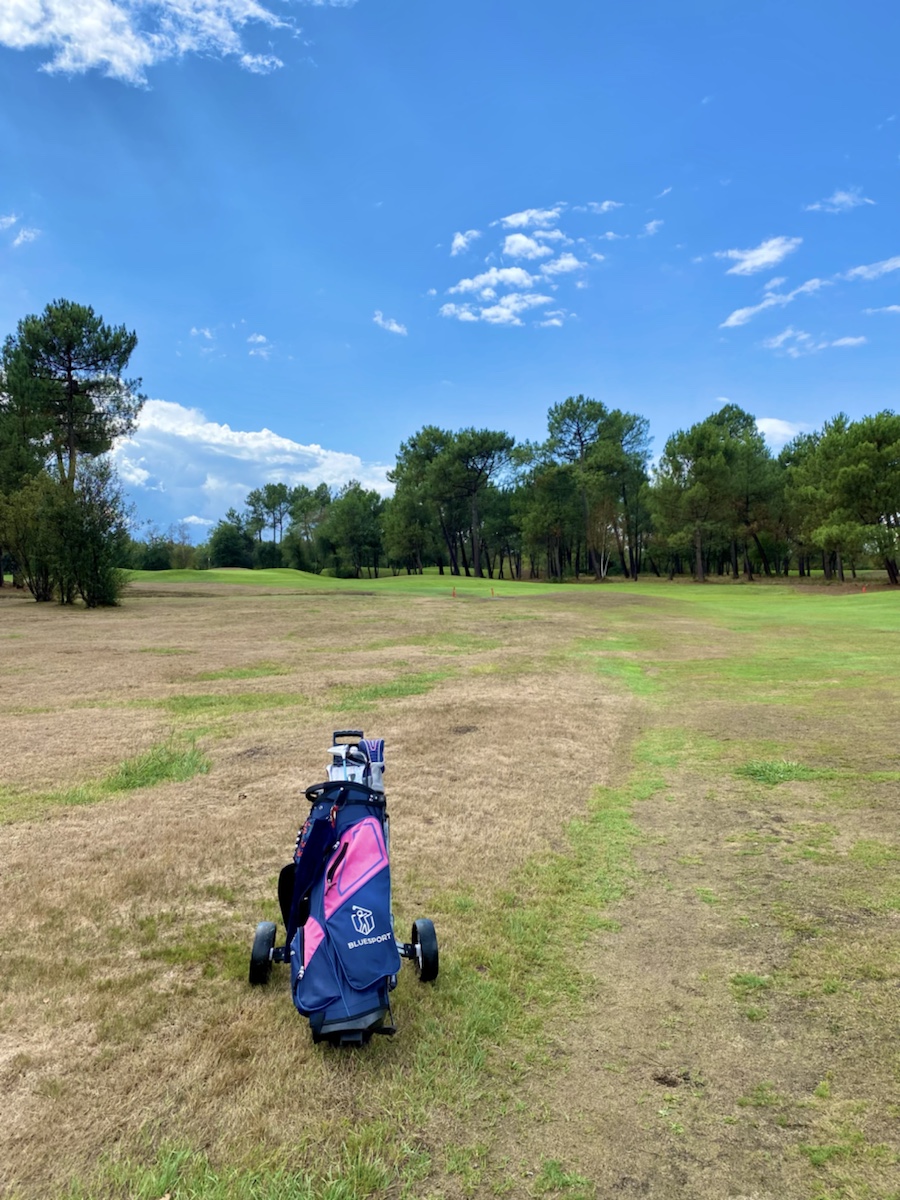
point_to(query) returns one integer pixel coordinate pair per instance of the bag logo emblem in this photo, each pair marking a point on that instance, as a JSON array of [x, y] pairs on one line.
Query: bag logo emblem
[[363, 920]]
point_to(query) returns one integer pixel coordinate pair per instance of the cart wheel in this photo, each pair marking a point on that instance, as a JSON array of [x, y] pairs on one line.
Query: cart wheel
[[424, 941], [261, 954]]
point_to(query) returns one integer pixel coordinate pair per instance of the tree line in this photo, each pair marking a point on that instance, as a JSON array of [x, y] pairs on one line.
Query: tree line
[[585, 503]]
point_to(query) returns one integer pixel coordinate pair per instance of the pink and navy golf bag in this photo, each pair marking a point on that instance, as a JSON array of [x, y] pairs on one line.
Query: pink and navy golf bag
[[335, 899]]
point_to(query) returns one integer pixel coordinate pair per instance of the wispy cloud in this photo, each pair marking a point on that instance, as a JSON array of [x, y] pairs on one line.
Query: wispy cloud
[[531, 216], [462, 241], [203, 332], [874, 270], [257, 338], [741, 316], [389, 324], [8, 221], [767, 254], [604, 206], [519, 245], [840, 201], [664, 192], [123, 38], [796, 343], [652, 227], [609, 236], [24, 236], [260, 347], [888, 308]]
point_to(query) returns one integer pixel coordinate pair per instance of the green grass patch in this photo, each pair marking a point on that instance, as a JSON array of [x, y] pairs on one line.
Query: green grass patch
[[165, 650], [167, 762], [775, 771], [260, 671], [224, 705], [364, 699]]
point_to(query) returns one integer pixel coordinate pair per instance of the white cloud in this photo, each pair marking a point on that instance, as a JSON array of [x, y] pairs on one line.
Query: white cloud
[[26, 235], [519, 245], [389, 324], [552, 235], [874, 270], [664, 192], [123, 38], [202, 467], [767, 254], [506, 311], [840, 201], [8, 221], [609, 236], [532, 216], [774, 283], [203, 332], [195, 520], [462, 312], [797, 343], [889, 308], [260, 64], [257, 338], [431, 292], [778, 432], [581, 284], [516, 277], [563, 265], [604, 206], [598, 257], [652, 227], [741, 316], [462, 241]]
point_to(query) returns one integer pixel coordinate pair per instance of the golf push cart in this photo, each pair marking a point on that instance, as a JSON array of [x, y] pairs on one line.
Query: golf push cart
[[335, 900]]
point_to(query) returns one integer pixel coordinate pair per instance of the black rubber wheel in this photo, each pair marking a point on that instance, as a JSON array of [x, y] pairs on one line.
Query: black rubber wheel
[[261, 953], [424, 939]]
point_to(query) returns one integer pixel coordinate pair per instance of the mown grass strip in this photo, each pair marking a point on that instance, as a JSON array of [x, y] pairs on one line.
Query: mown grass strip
[[167, 762], [259, 671], [225, 705], [363, 699]]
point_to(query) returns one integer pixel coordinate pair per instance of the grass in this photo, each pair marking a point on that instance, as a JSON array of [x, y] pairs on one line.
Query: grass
[[167, 762], [754, 939]]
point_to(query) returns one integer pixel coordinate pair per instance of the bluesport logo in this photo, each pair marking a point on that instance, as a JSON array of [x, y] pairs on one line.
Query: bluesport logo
[[363, 920]]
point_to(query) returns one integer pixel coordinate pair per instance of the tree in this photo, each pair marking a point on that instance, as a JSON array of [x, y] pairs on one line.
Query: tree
[[64, 369], [353, 527]]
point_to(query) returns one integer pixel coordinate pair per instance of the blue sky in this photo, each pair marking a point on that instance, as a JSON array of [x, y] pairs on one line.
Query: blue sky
[[332, 223]]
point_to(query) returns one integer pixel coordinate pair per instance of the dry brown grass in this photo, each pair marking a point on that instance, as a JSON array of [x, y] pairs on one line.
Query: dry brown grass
[[126, 923], [741, 1021]]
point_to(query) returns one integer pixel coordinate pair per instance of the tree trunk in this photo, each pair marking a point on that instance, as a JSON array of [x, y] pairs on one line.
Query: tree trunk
[[826, 565], [748, 567], [762, 555], [699, 572], [462, 553], [890, 565], [476, 547]]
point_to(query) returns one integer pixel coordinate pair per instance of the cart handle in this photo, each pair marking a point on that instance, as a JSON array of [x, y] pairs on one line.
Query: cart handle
[[346, 733]]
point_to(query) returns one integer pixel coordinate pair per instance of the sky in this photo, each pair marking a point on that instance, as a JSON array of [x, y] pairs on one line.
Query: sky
[[331, 223]]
